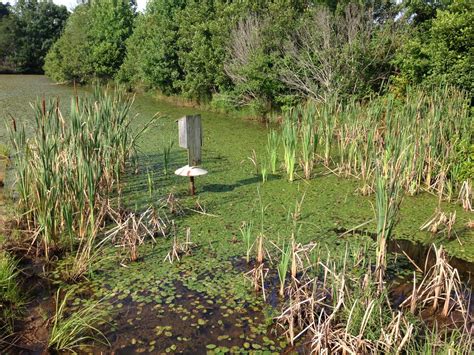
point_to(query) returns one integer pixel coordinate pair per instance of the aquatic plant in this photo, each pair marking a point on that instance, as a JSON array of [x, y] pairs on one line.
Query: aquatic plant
[[442, 341], [131, 230], [150, 183], [11, 297], [254, 161], [264, 171], [307, 149], [351, 135], [440, 289], [71, 330], [246, 231], [70, 166], [289, 138], [283, 266], [339, 310], [273, 142], [166, 156], [440, 221], [180, 248], [388, 197], [466, 195]]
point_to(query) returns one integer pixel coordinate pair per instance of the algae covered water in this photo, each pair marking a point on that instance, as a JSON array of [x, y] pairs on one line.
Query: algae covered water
[[203, 303]]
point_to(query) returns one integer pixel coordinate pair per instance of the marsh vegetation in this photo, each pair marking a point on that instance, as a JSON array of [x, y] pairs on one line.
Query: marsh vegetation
[[121, 230], [336, 216]]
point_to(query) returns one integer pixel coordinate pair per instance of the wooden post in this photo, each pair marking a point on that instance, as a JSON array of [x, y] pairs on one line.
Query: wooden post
[[190, 137], [192, 187]]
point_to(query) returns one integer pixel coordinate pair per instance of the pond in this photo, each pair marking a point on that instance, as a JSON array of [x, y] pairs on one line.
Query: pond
[[203, 302]]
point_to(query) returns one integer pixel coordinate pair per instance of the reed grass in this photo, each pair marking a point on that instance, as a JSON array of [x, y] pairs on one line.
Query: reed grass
[[388, 197], [347, 138], [341, 312], [246, 231], [180, 248], [273, 142], [71, 330], [12, 299], [132, 229], [440, 289], [69, 169], [264, 170], [283, 266], [307, 149], [289, 139], [167, 156]]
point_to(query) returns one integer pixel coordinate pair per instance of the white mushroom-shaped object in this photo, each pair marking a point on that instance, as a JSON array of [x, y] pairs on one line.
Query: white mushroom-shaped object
[[191, 172]]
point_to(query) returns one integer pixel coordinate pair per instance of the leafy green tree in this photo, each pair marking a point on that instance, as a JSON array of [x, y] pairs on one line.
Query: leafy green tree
[[8, 44], [39, 24], [204, 28], [69, 59], [111, 23], [93, 42], [152, 51], [441, 53]]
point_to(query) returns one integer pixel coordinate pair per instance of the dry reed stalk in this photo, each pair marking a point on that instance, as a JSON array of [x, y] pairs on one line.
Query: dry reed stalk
[[440, 221], [260, 250], [326, 311], [179, 248], [132, 229], [440, 285], [465, 195], [257, 277]]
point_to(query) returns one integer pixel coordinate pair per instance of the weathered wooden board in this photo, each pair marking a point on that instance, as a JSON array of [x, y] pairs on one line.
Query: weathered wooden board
[[190, 137]]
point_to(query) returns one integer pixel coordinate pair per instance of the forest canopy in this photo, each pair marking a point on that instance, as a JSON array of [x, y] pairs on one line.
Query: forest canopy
[[255, 54]]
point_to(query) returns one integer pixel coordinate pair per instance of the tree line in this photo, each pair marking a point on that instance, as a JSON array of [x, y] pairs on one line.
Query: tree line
[[267, 54], [27, 31]]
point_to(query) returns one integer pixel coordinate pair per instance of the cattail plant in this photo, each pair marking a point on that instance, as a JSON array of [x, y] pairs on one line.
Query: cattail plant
[[69, 168], [273, 142], [264, 170], [166, 156], [283, 266], [388, 196], [246, 230], [289, 138], [350, 136], [307, 149]]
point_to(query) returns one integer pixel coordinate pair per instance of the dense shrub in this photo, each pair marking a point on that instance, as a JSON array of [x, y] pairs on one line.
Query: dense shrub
[[441, 49]]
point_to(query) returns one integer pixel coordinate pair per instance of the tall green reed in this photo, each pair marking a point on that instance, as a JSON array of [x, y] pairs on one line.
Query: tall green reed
[[246, 231], [388, 197], [283, 266], [273, 142], [68, 169], [289, 138], [70, 331], [350, 135]]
